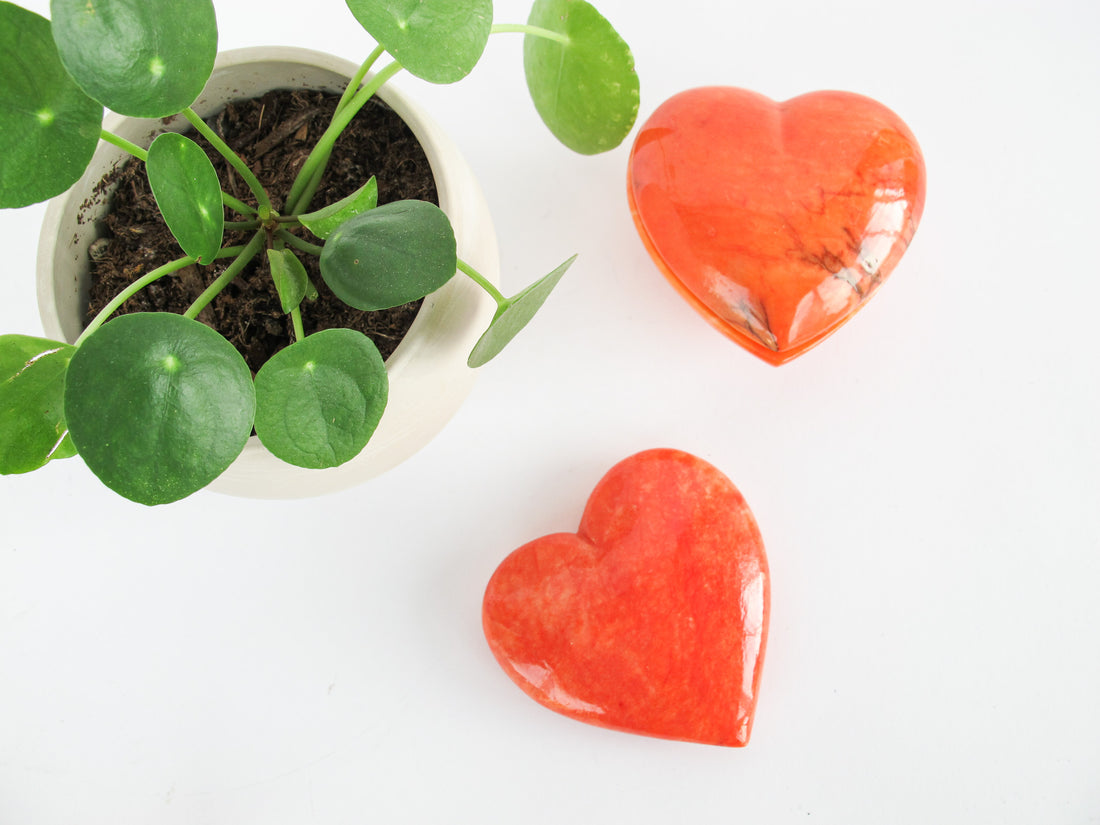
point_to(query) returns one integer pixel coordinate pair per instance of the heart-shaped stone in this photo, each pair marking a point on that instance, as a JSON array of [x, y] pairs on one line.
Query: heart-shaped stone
[[776, 221], [653, 617]]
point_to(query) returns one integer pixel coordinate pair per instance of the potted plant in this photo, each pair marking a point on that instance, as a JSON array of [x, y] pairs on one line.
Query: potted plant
[[158, 404], [428, 375]]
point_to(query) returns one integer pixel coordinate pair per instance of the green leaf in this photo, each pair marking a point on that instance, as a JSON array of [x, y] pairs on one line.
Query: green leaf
[[513, 316], [48, 127], [32, 417], [323, 222], [158, 405], [391, 255], [319, 400], [188, 193], [586, 90], [290, 277], [437, 40], [137, 57], [66, 449]]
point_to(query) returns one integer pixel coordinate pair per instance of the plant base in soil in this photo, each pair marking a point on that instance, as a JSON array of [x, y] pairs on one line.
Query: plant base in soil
[[273, 134]]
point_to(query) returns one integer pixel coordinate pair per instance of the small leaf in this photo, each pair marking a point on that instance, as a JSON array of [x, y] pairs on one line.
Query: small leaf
[[32, 417], [513, 316], [136, 57], [323, 222], [49, 128], [437, 40], [290, 276], [319, 400], [158, 405], [188, 194], [586, 90], [391, 255]]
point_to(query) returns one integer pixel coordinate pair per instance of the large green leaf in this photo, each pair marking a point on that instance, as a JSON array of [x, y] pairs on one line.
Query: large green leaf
[[48, 127], [437, 40], [585, 90], [326, 220], [319, 400], [188, 194], [142, 58], [391, 255], [158, 405], [513, 315], [32, 416]]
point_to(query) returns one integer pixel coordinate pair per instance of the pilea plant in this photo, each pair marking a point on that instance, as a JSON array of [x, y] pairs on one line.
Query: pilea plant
[[158, 404]]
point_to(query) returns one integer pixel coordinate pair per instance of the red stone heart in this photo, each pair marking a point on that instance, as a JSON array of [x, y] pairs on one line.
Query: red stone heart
[[776, 221], [653, 617]]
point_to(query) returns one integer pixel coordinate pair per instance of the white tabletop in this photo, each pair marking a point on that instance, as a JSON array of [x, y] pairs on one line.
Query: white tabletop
[[926, 481]]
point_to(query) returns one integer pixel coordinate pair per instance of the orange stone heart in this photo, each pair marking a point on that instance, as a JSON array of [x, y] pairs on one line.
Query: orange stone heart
[[776, 221], [652, 618]]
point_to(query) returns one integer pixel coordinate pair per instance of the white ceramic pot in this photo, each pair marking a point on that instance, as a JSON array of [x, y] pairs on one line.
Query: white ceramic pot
[[428, 375]]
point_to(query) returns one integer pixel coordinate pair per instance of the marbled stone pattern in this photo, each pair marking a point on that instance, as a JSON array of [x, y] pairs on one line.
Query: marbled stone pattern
[[652, 618], [776, 221]]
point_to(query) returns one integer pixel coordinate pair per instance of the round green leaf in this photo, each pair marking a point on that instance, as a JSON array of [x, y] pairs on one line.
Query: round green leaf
[[290, 277], [323, 222], [158, 405], [140, 58], [32, 416], [513, 316], [188, 194], [319, 400], [391, 255], [586, 90], [437, 40], [48, 127]]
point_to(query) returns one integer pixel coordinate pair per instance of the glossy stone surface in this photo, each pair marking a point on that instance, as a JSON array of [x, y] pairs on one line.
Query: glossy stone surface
[[776, 221], [652, 618]]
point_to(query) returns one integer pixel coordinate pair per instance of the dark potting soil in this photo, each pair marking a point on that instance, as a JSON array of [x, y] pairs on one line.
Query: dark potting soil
[[274, 135]]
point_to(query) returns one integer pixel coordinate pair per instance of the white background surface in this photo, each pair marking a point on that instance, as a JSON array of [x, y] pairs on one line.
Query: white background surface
[[927, 482]]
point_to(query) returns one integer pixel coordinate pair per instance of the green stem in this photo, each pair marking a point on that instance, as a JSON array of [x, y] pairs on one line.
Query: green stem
[[314, 184], [357, 80], [141, 283], [303, 200], [130, 291], [483, 282], [537, 31], [319, 156], [298, 243], [236, 205], [296, 321], [124, 144], [234, 160], [245, 255]]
